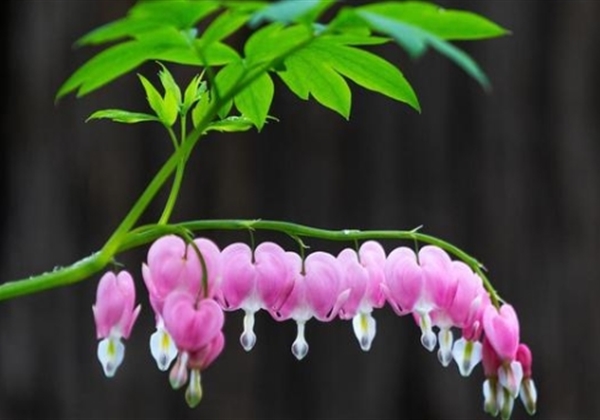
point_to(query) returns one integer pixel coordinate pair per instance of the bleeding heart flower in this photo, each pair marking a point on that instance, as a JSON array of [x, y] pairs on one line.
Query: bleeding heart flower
[[419, 285], [316, 293], [262, 280], [114, 314], [173, 266], [501, 328]]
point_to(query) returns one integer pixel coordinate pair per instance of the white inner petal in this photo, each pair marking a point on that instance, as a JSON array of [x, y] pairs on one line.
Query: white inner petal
[[428, 339], [163, 348], [300, 346], [466, 354], [445, 339], [111, 353], [510, 377], [248, 338], [365, 328]]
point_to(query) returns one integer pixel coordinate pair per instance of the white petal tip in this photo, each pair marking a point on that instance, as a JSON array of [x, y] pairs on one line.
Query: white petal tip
[[111, 353], [248, 340], [300, 349], [163, 349], [365, 328]]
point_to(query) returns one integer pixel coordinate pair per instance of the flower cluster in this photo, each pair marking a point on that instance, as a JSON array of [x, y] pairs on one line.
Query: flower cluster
[[191, 284]]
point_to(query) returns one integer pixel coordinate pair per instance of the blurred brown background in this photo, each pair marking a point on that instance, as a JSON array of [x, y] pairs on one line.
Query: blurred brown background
[[512, 177]]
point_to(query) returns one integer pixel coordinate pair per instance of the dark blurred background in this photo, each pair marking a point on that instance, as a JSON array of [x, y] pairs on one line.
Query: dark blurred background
[[512, 177]]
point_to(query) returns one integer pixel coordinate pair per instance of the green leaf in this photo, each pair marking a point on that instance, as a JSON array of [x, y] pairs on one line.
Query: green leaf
[[231, 124], [122, 116], [119, 29], [166, 108], [306, 74], [167, 45], [413, 40], [289, 11], [193, 93], [227, 78], [367, 70], [149, 16], [224, 25], [254, 102], [170, 86], [180, 14], [274, 40], [201, 109], [416, 41], [446, 24]]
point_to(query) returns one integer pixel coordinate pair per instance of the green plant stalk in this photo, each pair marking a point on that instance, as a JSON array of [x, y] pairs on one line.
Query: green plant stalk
[[146, 234], [170, 205]]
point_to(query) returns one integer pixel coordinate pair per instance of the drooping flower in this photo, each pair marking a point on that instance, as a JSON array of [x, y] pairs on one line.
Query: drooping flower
[[363, 274], [463, 310], [528, 391], [501, 328], [114, 314], [494, 395], [195, 326], [254, 281], [173, 265], [418, 285], [316, 292]]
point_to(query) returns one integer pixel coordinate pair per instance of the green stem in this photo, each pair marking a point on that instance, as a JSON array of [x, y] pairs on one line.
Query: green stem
[[170, 205], [146, 234]]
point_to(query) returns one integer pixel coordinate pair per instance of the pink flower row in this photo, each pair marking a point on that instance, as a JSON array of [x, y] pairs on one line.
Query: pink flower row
[[190, 285]]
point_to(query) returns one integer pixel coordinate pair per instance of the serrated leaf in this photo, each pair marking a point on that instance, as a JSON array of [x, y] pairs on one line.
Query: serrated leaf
[[180, 14], [416, 41], [224, 82], [224, 25], [191, 94], [413, 40], [323, 83], [170, 86], [165, 45], [356, 39], [146, 17], [245, 5], [119, 29], [286, 11], [122, 116], [444, 23], [231, 124], [154, 99], [367, 70], [254, 102], [274, 40], [201, 109]]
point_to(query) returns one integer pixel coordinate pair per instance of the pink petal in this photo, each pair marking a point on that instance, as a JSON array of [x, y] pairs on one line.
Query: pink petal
[[275, 279], [440, 285], [203, 358], [355, 278], [404, 278], [502, 330], [372, 257], [192, 326], [322, 283], [113, 309], [294, 304], [238, 275]]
